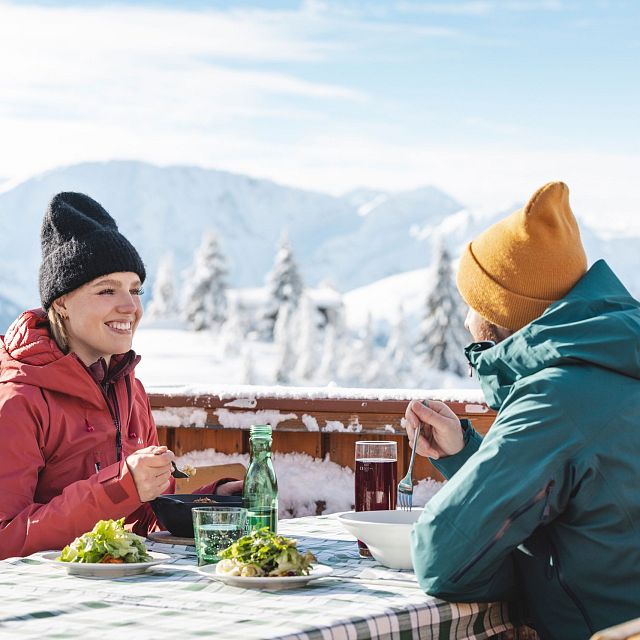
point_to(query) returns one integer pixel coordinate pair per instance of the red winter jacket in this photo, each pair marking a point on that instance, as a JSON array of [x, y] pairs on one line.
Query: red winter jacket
[[59, 473]]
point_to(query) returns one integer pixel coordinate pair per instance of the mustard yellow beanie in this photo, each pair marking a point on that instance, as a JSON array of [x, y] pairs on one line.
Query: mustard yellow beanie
[[516, 268]]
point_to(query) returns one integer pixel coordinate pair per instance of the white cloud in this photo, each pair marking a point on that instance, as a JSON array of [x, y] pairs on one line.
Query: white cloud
[[213, 89], [164, 66], [500, 128], [478, 7]]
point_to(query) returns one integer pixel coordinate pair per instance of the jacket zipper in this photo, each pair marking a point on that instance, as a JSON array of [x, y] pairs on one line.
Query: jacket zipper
[[567, 589], [474, 347], [543, 494], [114, 409]]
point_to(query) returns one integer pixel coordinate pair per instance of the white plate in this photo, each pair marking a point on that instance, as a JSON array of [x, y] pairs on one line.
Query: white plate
[[98, 570], [284, 582]]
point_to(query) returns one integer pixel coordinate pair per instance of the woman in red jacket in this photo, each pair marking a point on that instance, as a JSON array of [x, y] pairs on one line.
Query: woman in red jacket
[[79, 443]]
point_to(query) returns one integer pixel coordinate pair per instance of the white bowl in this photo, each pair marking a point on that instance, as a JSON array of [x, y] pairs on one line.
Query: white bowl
[[386, 533]]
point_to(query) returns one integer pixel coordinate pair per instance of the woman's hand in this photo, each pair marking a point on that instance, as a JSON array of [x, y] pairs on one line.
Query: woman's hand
[[441, 431], [230, 488], [151, 470]]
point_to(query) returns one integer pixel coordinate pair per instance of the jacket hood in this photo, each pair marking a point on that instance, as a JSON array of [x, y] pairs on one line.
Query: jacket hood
[[29, 355], [596, 323]]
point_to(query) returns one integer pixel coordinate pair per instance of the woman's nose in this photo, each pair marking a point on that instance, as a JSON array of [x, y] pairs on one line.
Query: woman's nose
[[128, 302]]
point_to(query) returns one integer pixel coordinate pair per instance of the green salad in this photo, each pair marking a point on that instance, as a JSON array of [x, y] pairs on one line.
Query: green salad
[[107, 542], [263, 553]]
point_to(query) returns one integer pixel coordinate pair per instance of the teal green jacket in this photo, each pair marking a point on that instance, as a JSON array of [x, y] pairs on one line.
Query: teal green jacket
[[545, 509]]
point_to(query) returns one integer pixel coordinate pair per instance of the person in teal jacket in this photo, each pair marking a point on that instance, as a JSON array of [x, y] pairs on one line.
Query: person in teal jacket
[[544, 511]]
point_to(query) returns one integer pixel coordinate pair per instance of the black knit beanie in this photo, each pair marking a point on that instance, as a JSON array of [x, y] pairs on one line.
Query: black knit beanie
[[80, 242]]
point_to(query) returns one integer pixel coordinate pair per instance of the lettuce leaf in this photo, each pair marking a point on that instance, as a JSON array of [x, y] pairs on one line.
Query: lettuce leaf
[[264, 553], [107, 538]]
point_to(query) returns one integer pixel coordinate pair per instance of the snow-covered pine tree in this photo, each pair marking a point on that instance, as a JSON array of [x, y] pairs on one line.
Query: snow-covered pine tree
[[396, 360], [307, 357], [233, 331], [206, 296], [284, 287], [163, 305], [248, 370], [442, 336], [333, 345], [358, 367], [284, 336]]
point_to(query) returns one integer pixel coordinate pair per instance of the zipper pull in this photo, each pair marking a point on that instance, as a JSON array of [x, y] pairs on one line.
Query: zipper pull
[[550, 567], [118, 445], [547, 507]]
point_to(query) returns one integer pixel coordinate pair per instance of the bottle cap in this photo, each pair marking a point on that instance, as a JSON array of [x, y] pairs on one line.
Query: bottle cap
[[263, 430]]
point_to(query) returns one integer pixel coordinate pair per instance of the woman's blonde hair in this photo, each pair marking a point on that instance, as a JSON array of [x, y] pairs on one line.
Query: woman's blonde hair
[[58, 330]]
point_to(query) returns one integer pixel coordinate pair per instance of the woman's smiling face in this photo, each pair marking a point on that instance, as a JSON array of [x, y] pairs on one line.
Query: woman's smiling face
[[101, 316]]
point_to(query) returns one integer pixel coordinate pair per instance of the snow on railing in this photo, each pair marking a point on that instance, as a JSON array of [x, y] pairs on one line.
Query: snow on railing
[[245, 396], [323, 423], [313, 409]]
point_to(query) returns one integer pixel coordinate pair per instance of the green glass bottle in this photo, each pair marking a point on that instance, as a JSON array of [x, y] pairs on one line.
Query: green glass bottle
[[260, 485]]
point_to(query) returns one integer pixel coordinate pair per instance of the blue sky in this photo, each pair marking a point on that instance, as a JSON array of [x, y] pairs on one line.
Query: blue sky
[[486, 99]]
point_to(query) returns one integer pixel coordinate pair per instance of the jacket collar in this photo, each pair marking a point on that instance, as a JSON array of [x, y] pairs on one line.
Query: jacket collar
[[120, 365]]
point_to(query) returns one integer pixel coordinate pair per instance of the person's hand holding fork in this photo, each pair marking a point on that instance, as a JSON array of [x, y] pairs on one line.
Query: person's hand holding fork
[[441, 431]]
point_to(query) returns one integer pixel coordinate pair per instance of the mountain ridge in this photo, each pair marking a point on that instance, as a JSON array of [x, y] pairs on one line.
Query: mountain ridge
[[352, 240]]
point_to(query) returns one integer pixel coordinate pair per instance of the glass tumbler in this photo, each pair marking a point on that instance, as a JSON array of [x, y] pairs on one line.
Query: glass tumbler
[[216, 528], [376, 479]]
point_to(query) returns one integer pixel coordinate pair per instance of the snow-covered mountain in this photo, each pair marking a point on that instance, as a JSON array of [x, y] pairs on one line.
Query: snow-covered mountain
[[352, 241], [387, 240], [169, 208]]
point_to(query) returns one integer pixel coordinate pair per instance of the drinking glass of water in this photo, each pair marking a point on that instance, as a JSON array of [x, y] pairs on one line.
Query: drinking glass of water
[[216, 528], [376, 479]]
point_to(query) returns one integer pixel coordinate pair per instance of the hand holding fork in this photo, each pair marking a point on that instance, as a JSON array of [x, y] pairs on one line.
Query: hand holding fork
[[441, 436]]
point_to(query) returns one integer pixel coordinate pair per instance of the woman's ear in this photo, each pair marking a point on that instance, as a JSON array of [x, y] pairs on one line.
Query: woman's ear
[[60, 307]]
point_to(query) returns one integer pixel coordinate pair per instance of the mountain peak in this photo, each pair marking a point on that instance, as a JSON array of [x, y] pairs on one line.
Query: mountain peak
[[353, 240]]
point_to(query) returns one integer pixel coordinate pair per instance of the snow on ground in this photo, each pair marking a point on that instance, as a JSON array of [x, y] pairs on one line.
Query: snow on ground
[[178, 357], [306, 485]]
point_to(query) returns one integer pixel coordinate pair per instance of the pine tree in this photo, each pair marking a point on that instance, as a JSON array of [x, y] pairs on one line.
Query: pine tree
[[334, 335], [307, 319], [285, 338], [442, 336], [358, 365], [397, 358], [163, 303], [284, 285], [233, 331], [248, 370], [206, 299]]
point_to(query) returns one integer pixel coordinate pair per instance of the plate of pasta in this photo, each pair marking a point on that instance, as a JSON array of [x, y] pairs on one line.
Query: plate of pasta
[[265, 560]]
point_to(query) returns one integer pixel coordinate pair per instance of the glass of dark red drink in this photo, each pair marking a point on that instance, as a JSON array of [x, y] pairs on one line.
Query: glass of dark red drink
[[376, 479]]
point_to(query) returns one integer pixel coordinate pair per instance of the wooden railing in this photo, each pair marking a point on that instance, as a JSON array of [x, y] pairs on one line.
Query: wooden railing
[[317, 422]]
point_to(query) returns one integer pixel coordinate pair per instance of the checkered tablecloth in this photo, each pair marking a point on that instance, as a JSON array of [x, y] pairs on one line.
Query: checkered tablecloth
[[361, 599]]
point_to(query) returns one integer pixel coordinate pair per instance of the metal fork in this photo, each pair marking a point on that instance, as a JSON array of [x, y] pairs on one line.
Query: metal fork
[[405, 486]]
